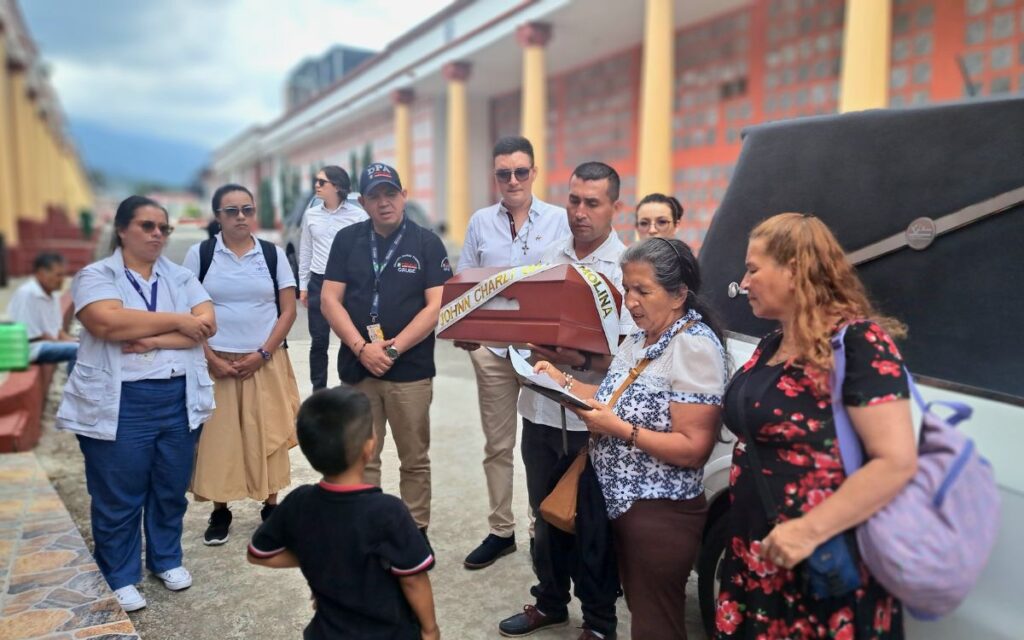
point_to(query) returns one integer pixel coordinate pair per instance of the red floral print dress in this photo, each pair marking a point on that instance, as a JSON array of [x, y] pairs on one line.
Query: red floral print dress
[[796, 441]]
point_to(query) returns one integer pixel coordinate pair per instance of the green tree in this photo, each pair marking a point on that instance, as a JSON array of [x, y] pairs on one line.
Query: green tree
[[367, 155], [353, 162], [266, 204]]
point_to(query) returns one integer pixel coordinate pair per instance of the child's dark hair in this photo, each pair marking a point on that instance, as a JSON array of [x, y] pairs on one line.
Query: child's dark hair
[[333, 425]]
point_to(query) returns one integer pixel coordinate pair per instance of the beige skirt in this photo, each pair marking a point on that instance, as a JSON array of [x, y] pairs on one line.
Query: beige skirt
[[243, 449]]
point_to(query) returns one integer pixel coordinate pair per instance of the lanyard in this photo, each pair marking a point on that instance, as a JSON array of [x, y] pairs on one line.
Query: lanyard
[[511, 225], [378, 268], [151, 303]]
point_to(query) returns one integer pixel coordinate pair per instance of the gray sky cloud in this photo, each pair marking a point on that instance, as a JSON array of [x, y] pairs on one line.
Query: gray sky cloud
[[197, 70]]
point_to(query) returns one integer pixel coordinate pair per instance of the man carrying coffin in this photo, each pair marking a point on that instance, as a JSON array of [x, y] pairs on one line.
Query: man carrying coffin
[[514, 232], [593, 202], [381, 295]]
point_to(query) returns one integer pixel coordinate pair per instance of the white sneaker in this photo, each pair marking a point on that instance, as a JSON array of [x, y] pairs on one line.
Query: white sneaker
[[129, 598], [176, 579]]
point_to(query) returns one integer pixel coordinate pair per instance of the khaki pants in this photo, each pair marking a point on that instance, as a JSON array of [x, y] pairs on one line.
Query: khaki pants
[[497, 392], [405, 406]]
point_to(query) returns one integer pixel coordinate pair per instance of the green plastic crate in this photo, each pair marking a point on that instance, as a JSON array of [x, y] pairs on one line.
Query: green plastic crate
[[13, 346]]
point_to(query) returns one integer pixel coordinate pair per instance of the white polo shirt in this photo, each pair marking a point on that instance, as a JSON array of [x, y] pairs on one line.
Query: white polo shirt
[[158, 364], [242, 294], [489, 241], [38, 311], [605, 260], [319, 226]]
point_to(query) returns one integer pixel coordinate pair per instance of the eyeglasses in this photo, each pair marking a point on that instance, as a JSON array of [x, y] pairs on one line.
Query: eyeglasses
[[321, 182], [148, 226], [248, 211], [660, 224], [505, 175]]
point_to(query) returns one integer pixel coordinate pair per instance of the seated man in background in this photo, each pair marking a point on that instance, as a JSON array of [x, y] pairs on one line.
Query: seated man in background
[[36, 304]]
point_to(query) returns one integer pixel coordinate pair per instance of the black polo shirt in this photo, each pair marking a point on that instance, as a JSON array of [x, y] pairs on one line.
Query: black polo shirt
[[353, 544], [419, 263]]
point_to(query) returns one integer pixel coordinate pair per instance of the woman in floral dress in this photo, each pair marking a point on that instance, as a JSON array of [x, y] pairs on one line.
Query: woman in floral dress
[[797, 274]]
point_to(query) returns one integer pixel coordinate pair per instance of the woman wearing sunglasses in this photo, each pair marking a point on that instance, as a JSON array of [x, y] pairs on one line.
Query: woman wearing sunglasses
[[657, 216], [137, 398], [320, 224], [243, 451]]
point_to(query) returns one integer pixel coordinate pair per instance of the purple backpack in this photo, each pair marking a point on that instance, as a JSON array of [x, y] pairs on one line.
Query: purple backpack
[[929, 545]]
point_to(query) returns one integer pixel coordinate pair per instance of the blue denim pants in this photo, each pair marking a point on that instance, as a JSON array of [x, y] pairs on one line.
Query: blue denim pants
[[139, 480], [58, 352]]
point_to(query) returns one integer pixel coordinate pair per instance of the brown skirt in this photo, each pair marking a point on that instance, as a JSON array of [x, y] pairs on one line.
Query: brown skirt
[[243, 449]]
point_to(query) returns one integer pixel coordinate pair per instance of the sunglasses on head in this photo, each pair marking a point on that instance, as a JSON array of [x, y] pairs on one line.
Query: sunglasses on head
[[148, 226], [248, 211], [320, 182], [505, 175]]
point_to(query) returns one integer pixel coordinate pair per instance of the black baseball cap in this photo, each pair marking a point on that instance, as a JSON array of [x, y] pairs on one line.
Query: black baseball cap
[[376, 174]]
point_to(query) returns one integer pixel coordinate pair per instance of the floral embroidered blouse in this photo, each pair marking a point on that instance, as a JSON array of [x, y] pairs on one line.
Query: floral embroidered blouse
[[688, 367]]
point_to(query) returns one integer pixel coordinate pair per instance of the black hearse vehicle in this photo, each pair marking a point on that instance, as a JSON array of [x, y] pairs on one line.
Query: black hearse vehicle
[[929, 204]]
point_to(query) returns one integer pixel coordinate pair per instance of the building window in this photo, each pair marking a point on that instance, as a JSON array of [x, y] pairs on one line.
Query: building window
[[975, 32], [1002, 26], [925, 16], [923, 44], [900, 50], [901, 24], [976, 7], [1002, 3], [1002, 57], [922, 73], [1000, 85], [975, 62], [896, 102], [920, 97], [898, 77]]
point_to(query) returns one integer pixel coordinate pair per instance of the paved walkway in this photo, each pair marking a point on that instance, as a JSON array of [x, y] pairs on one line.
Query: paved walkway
[[51, 587]]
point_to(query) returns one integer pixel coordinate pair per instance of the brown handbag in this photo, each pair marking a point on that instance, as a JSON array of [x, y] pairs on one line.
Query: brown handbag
[[559, 508]]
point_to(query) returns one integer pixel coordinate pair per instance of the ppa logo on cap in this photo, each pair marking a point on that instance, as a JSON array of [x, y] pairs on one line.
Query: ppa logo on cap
[[379, 171]]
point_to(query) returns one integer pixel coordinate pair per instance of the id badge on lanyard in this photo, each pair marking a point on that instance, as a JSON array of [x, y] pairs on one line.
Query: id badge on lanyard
[[373, 330]]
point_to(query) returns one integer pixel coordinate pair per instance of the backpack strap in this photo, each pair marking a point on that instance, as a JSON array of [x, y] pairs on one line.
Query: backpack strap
[[270, 257], [206, 248]]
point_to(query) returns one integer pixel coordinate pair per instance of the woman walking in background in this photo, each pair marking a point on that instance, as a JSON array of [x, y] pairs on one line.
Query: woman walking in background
[[320, 224], [243, 451]]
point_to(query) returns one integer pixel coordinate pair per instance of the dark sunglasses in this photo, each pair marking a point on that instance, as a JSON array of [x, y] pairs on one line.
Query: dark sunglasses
[[248, 211], [505, 175], [148, 226], [320, 182]]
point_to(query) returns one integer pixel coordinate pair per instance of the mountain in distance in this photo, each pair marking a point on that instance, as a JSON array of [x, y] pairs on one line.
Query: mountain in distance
[[123, 156]]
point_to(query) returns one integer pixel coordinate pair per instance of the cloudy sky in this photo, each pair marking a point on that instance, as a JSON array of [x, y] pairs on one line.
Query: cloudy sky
[[197, 70]]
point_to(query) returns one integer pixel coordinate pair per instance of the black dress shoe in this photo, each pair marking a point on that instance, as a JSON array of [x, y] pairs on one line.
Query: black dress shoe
[[530, 621], [492, 548], [266, 511]]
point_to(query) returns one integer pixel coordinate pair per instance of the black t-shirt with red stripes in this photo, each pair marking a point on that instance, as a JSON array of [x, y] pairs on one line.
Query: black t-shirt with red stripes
[[353, 543]]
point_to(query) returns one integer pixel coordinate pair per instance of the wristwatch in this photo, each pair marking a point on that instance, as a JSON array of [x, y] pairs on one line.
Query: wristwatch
[[263, 353], [392, 353]]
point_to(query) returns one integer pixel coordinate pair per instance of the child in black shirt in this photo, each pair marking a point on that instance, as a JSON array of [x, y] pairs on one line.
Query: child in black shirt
[[358, 548]]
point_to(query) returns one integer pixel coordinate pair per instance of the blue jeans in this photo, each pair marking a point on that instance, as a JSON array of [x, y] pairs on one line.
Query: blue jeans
[[58, 352], [140, 479]]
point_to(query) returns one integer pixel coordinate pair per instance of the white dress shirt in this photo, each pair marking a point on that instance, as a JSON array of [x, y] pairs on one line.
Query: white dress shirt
[[489, 241], [38, 311], [242, 294], [604, 260], [319, 226]]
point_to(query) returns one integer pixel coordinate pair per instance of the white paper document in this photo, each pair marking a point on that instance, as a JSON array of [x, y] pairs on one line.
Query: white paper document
[[542, 382]]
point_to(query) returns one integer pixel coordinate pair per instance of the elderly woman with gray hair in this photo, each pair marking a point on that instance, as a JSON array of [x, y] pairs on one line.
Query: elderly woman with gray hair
[[651, 445]]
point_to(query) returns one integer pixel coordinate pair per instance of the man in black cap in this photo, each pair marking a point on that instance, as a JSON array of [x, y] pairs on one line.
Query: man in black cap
[[382, 295]]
